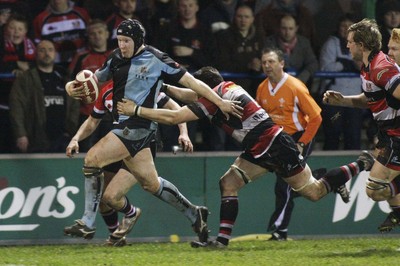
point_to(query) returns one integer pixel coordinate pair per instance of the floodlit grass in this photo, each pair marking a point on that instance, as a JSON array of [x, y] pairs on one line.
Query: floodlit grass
[[346, 251]]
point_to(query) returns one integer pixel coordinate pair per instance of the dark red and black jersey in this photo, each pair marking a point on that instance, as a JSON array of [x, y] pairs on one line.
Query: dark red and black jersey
[[256, 130], [66, 30], [379, 79]]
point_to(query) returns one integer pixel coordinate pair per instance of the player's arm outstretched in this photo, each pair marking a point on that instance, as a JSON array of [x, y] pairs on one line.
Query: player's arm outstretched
[[182, 94], [338, 99], [168, 117], [85, 130]]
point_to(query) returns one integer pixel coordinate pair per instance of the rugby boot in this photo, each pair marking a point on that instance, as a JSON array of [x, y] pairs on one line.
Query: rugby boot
[[391, 222], [115, 241], [344, 193], [214, 244], [127, 224], [276, 236], [200, 225], [79, 229]]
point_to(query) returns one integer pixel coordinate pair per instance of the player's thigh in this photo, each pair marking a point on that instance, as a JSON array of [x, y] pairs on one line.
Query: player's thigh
[[252, 170], [382, 172], [239, 174], [107, 150]]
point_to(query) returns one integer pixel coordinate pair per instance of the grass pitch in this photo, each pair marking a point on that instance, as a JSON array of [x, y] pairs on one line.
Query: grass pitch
[[347, 251]]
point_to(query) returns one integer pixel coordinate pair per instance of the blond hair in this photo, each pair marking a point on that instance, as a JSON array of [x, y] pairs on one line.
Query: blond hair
[[395, 36]]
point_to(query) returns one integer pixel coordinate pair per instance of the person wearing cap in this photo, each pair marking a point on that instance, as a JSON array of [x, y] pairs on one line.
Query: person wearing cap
[[138, 71]]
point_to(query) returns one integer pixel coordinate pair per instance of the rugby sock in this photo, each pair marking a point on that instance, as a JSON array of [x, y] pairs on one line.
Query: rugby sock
[[111, 220], [93, 193], [339, 176], [171, 195], [227, 216], [128, 209]]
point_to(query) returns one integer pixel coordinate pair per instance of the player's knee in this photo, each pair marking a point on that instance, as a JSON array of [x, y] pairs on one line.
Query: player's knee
[[377, 189], [233, 180], [312, 190], [89, 171], [92, 159]]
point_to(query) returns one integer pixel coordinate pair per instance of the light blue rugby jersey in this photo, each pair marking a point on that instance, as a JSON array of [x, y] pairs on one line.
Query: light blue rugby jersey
[[139, 78]]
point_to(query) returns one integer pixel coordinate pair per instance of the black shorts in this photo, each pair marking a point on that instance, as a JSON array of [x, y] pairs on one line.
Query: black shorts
[[389, 151], [135, 139], [282, 157]]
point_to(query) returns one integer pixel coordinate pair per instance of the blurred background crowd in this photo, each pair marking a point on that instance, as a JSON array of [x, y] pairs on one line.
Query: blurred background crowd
[[45, 43]]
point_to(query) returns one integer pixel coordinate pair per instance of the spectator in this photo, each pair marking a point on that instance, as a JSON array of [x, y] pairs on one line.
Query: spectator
[[161, 14], [65, 25], [43, 117], [269, 19], [341, 123], [187, 40], [17, 52], [219, 14], [192, 45], [388, 18], [125, 10], [328, 15], [299, 56], [239, 48], [92, 59]]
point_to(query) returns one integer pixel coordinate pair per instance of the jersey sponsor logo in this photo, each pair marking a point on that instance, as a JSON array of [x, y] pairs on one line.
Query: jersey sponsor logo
[[53, 100], [379, 75], [63, 26]]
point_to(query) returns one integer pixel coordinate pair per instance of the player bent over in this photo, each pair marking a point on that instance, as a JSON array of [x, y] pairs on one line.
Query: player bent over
[[266, 147]]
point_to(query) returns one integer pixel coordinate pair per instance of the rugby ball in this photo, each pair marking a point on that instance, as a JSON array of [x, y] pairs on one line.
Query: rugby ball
[[90, 85]]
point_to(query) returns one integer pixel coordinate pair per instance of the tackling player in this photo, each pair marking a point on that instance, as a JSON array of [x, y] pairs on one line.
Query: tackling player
[[266, 147]]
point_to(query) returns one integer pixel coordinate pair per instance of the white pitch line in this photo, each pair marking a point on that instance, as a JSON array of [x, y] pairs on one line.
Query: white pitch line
[[18, 227]]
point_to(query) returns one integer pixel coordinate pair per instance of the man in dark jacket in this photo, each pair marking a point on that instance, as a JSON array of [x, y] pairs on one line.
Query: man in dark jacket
[[42, 117]]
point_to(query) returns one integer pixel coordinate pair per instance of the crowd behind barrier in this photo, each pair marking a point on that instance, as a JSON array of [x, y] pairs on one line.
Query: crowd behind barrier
[[229, 75], [319, 75]]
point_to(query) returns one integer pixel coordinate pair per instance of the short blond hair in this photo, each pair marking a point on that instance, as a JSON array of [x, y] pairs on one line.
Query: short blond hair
[[395, 36]]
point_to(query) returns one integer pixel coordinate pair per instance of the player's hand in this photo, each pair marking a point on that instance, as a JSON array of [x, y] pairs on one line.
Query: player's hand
[[73, 147], [74, 89], [22, 144], [332, 98], [231, 107], [126, 107], [185, 142]]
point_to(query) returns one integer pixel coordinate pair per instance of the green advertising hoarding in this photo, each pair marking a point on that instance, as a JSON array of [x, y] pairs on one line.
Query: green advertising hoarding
[[41, 194]]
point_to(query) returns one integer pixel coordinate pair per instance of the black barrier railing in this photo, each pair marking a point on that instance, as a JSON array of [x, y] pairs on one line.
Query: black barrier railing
[[318, 74], [230, 75]]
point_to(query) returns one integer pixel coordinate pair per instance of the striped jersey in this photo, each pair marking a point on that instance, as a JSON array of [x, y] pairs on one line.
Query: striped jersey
[[379, 79]]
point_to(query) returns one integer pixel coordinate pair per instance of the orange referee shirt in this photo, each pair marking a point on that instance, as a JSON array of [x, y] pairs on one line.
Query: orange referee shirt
[[291, 106]]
